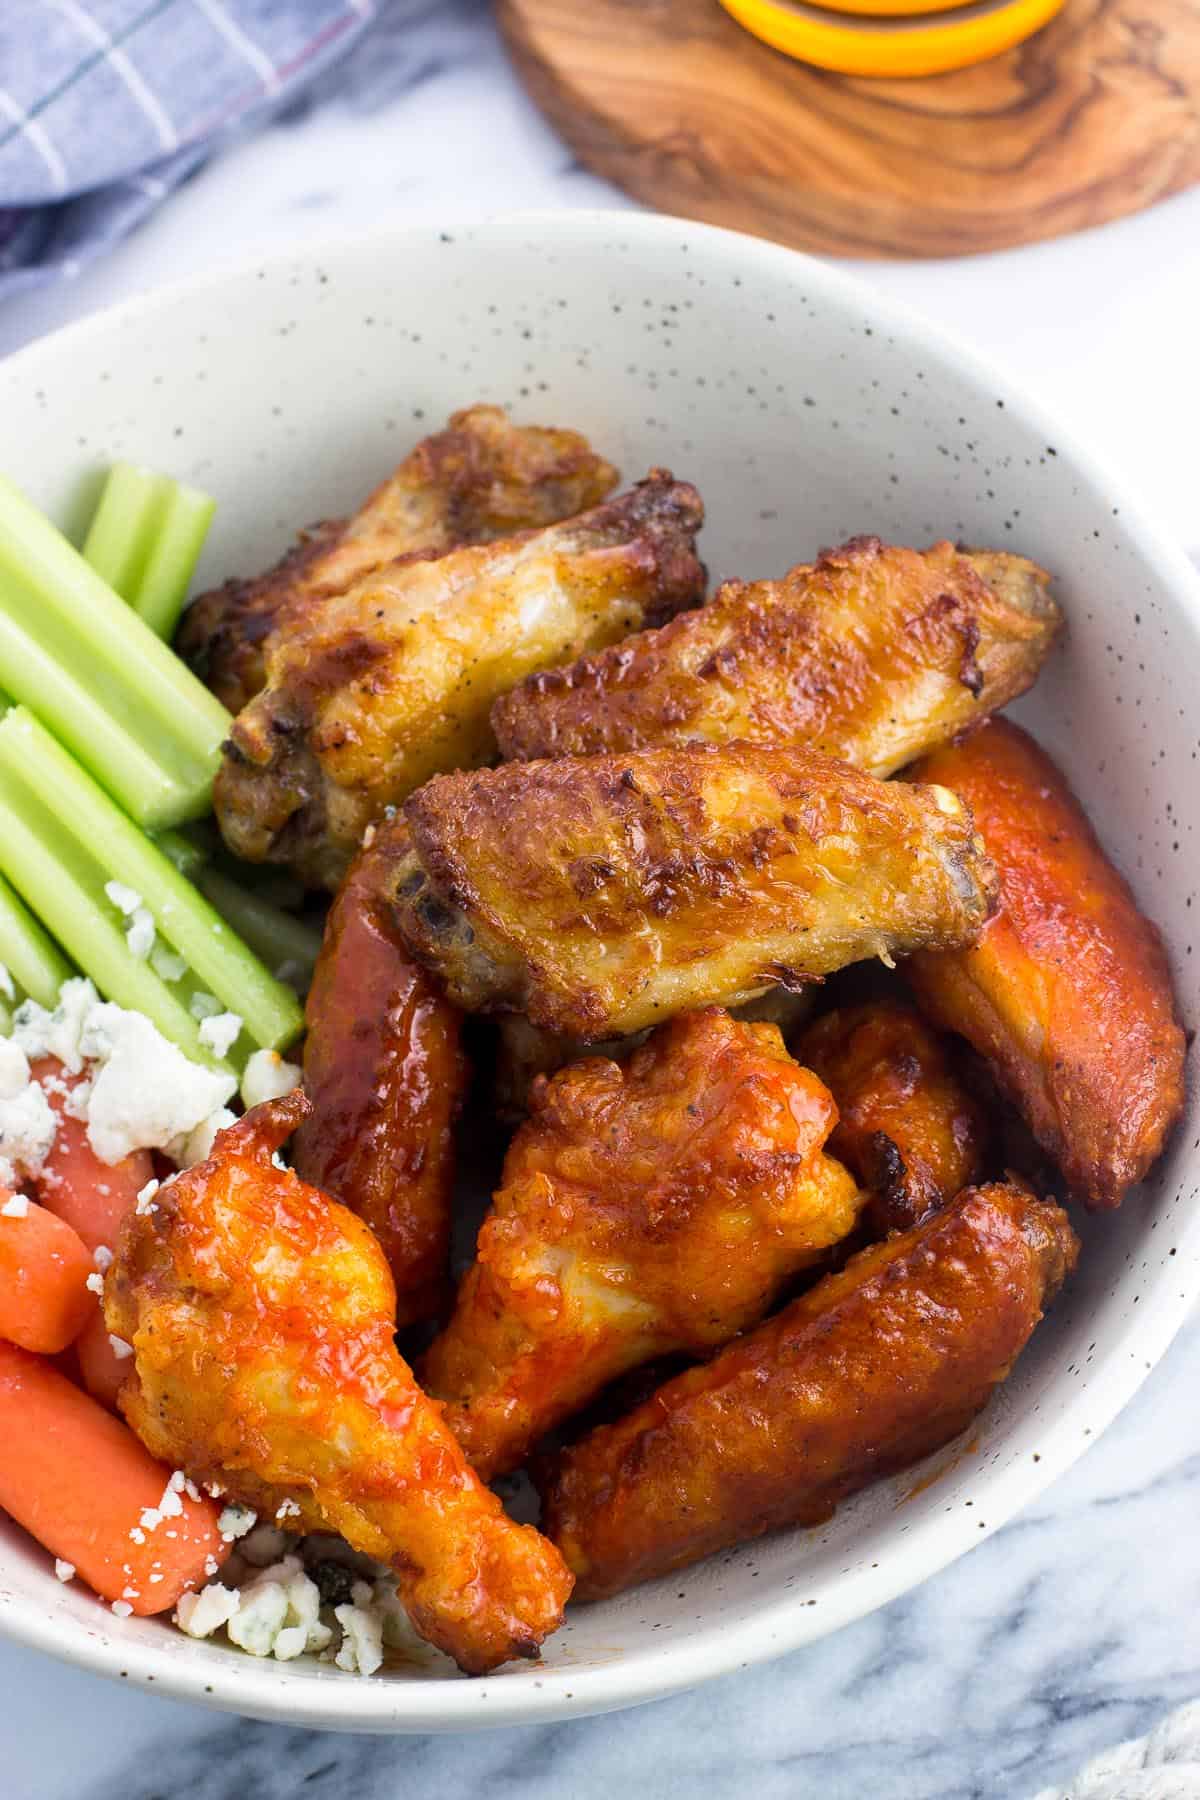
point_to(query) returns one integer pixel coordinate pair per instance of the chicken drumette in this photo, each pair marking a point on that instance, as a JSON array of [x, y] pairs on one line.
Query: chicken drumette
[[261, 1316]]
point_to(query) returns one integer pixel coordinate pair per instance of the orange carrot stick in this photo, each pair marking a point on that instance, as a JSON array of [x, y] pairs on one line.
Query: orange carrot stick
[[94, 1197], [44, 1269], [80, 1482]]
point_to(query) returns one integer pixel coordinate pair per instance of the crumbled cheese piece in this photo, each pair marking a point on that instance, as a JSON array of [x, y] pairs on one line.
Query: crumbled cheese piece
[[190, 1488], [236, 1520], [204, 1006], [63, 1569], [58, 1033], [150, 1519], [137, 1535], [167, 965], [268, 1077], [203, 1613], [287, 1509], [220, 1031], [170, 1506], [6, 983], [120, 1348], [145, 1092], [125, 899], [361, 1649], [95, 1283], [102, 1257], [198, 1143], [122, 1608], [178, 1481], [139, 934], [27, 1129], [14, 1069], [75, 1104], [146, 1195], [15, 1207], [279, 1613]]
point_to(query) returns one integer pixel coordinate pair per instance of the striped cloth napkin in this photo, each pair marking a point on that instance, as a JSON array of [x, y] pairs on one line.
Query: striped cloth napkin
[[106, 105]]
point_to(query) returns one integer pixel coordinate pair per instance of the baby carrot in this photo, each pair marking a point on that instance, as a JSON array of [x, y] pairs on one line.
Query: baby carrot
[[80, 1483], [44, 1268]]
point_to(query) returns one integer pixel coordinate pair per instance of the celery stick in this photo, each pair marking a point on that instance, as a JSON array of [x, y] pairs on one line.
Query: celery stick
[[214, 954], [182, 529], [274, 935], [62, 884], [34, 961], [124, 527], [181, 852], [90, 643]]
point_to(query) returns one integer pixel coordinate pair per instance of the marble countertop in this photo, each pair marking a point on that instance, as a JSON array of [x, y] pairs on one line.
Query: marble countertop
[[1075, 1626]]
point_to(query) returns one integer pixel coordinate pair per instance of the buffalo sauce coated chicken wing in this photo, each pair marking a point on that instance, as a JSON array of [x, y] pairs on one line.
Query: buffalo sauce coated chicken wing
[[602, 894], [645, 1210], [480, 478], [874, 653], [1067, 993], [371, 691], [385, 1071], [261, 1316], [870, 1370], [907, 1127]]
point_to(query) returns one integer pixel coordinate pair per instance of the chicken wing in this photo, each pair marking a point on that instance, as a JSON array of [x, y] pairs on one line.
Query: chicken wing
[[870, 1370], [525, 1051], [372, 691], [873, 654], [645, 1209], [261, 1316], [480, 478], [1068, 993], [385, 1071], [907, 1127], [602, 894]]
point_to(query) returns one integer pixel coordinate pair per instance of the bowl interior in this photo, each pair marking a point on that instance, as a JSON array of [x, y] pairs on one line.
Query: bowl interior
[[806, 411]]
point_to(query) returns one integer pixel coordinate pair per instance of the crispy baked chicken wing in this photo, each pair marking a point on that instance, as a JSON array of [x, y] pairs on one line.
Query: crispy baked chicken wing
[[373, 690], [261, 1316], [870, 1370], [482, 477], [602, 894], [872, 653], [907, 1127], [1067, 992], [385, 1071], [645, 1209]]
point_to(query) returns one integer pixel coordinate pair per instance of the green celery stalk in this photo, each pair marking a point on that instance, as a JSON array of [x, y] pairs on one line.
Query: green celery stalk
[[63, 885], [32, 958], [216, 957], [274, 935], [181, 852], [145, 540], [70, 639]]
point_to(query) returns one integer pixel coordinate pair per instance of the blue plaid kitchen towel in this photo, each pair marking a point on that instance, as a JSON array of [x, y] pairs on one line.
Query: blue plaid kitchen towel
[[106, 105]]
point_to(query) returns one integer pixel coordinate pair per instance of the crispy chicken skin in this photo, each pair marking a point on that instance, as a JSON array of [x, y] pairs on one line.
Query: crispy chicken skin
[[907, 1127], [372, 691], [524, 1051], [602, 894], [261, 1316], [480, 478], [385, 1071], [646, 1209], [1067, 994], [873, 653], [870, 1370]]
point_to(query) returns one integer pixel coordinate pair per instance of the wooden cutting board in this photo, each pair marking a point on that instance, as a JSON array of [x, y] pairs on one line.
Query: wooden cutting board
[[1095, 117]]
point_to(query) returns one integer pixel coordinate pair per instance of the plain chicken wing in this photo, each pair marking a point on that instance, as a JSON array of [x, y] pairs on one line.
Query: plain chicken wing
[[261, 1316], [385, 1071], [372, 691], [1068, 993], [907, 1127], [646, 1209], [602, 894], [480, 478], [870, 1370], [873, 653]]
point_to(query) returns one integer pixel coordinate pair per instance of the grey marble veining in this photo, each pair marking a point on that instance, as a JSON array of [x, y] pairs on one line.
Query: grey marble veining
[[1072, 1628]]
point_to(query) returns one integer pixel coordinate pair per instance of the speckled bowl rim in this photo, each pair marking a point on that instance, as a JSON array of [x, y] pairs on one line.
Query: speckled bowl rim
[[538, 1694]]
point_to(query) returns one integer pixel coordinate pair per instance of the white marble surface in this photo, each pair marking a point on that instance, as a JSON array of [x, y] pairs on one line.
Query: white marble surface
[[1074, 1627]]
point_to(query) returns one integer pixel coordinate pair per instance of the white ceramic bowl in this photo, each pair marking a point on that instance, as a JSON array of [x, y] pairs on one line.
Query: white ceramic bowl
[[806, 409]]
